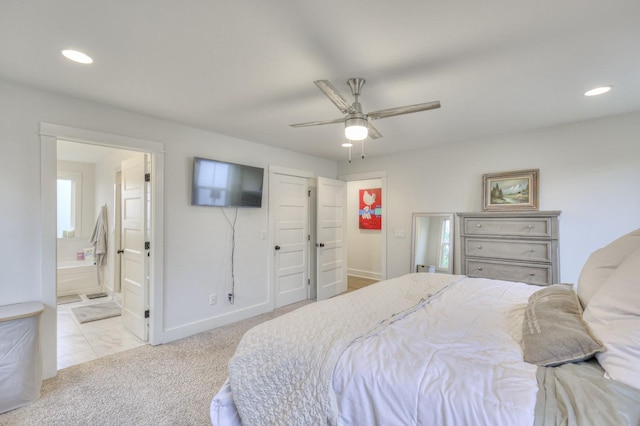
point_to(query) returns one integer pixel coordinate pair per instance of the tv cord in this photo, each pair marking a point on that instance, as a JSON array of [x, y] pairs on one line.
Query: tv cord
[[231, 295]]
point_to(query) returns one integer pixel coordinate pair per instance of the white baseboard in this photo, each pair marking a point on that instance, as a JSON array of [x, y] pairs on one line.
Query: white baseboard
[[364, 274], [187, 330]]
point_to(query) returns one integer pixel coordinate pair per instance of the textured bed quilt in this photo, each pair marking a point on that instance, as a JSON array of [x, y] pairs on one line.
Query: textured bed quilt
[[404, 346]]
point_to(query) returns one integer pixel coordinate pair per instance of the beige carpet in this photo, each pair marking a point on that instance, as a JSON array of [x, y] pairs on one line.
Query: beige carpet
[[169, 384]]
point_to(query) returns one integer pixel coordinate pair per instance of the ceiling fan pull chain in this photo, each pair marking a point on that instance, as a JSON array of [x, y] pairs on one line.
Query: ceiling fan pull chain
[[349, 154], [363, 149]]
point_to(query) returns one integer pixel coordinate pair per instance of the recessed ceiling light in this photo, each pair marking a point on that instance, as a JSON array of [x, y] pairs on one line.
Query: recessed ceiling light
[[76, 56], [597, 91]]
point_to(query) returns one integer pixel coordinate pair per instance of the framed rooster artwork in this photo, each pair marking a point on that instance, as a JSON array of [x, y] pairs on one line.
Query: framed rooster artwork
[[370, 211]]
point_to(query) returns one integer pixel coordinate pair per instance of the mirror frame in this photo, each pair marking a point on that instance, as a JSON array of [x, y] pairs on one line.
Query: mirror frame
[[451, 217]]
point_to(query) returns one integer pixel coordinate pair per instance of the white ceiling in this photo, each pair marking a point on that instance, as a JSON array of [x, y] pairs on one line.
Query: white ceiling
[[246, 68]]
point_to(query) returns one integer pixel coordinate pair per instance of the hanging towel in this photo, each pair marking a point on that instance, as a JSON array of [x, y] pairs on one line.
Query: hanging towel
[[99, 237]]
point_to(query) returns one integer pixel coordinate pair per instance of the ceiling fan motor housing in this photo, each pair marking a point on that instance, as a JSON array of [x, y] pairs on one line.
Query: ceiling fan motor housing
[[356, 86]]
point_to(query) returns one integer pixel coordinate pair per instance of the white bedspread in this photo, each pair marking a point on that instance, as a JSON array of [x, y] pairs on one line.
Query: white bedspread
[[455, 359], [281, 371]]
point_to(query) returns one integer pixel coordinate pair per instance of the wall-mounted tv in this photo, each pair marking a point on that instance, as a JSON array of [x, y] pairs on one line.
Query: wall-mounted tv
[[222, 184]]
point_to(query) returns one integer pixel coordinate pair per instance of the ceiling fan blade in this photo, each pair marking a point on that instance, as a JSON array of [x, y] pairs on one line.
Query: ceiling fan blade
[[373, 132], [318, 123], [332, 93], [390, 112]]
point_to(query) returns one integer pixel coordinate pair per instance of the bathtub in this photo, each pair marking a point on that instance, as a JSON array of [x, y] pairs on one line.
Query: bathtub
[[77, 277]]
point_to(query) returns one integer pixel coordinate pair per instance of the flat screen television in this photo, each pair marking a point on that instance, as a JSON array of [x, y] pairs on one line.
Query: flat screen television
[[222, 184]]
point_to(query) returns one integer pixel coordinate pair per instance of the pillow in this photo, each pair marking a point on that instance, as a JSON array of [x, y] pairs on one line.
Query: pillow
[[553, 331], [603, 262], [614, 316]]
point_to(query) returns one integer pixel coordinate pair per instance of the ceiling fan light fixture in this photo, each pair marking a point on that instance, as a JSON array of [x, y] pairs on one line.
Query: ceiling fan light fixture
[[356, 129], [347, 144]]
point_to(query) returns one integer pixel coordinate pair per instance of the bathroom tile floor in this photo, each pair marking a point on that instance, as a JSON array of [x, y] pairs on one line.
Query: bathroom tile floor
[[78, 343]]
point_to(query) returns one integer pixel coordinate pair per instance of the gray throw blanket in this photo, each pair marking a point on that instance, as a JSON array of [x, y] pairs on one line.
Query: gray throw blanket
[[579, 394]]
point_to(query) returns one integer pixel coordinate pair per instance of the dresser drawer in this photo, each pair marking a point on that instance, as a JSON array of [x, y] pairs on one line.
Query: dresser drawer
[[525, 250], [518, 227], [510, 271]]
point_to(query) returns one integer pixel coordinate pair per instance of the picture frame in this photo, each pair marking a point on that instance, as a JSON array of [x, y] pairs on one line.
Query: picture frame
[[508, 191], [370, 209]]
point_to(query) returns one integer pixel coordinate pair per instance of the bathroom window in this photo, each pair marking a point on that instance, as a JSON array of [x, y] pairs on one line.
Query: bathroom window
[[69, 204]]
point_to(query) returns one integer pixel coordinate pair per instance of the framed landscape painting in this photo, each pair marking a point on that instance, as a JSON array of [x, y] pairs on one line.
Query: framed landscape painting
[[509, 191]]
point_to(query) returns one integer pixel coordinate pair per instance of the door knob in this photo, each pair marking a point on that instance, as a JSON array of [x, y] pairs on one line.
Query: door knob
[[277, 247], [120, 251], [320, 245]]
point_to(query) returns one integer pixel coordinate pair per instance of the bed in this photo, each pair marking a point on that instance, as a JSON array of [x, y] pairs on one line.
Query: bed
[[430, 348]]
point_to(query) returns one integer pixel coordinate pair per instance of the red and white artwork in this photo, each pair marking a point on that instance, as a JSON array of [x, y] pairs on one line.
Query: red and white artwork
[[370, 212]]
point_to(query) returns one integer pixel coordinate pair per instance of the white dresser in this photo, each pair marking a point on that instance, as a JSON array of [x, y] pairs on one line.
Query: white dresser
[[514, 246]]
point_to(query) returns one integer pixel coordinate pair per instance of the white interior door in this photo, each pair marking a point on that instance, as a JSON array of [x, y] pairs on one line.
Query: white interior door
[[312, 257], [117, 235], [289, 199], [134, 264], [331, 236]]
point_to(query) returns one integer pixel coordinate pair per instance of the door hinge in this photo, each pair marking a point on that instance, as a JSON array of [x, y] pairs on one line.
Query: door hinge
[[308, 281], [147, 245], [146, 313], [309, 193], [308, 237], [147, 177]]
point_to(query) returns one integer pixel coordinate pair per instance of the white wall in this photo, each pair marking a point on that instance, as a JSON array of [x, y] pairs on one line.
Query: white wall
[[588, 170], [197, 239], [364, 245]]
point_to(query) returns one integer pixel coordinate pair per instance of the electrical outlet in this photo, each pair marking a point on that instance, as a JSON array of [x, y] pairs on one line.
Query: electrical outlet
[[213, 299]]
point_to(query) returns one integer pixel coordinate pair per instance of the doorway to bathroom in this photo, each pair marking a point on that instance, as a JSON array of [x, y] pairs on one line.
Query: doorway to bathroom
[[103, 220], [50, 134]]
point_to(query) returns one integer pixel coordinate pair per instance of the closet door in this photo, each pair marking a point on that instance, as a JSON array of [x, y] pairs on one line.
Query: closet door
[[331, 236], [289, 202]]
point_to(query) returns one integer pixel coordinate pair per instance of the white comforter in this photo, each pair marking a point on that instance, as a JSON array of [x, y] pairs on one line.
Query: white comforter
[[454, 359]]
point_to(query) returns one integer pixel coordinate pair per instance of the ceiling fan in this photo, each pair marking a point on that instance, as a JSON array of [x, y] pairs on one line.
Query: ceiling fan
[[357, 125]]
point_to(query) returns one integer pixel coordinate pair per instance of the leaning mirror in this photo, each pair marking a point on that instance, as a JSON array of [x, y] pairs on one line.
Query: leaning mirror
[[432, 243]]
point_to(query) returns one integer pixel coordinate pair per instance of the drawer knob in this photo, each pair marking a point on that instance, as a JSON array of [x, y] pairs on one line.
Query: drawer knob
[[531, 250], [532, 274], [479, 268], [480, 247], [478, 225], [531, 226]]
